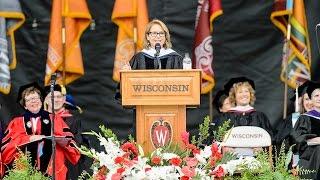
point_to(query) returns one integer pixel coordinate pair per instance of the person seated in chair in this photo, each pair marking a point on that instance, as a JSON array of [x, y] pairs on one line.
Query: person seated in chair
[[242, 97], [306, 135], [66, 108], [222, 104], [302, 104]]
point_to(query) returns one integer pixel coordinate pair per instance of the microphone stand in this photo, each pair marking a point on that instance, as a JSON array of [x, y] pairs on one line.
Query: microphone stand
[[52, 83], [159, 61]]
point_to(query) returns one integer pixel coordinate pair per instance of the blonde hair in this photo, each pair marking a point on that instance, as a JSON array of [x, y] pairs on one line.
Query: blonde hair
[[167, 43], [235, 87]]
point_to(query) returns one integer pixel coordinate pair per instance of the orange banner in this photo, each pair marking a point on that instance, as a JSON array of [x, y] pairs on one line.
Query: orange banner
[[76, 18], [202, 57], [131, 18]]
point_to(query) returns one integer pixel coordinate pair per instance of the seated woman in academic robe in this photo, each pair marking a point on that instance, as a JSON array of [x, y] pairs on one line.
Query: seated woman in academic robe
[[242, 98], [31, 132], [222, 105], [306, 134], [302, 104]]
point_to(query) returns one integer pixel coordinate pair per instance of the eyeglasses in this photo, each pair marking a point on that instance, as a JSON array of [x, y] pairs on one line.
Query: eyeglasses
[[32, 99], [155, 34]]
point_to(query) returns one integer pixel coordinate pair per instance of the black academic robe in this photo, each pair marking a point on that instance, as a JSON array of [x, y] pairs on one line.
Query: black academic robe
[[308, 127], [143, 60], [248, 118]]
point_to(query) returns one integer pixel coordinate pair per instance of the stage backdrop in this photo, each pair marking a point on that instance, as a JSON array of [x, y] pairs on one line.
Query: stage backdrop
[[245, 43]]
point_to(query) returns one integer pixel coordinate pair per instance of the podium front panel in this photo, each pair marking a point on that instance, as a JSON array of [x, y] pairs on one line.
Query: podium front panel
[[160, 87]]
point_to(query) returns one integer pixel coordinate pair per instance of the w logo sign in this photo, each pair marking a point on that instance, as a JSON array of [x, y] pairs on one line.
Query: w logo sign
[[161, 133]]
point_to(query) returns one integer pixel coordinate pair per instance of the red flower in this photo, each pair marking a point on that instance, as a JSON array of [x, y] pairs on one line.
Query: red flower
[[156, 160], [219, 172], [101, 173], [184, 178], [185, 137], [214, 148], [128, 163], [116, 176], [191, 161], [176, 161], [130, 147], [147, 169], [100, 177], [118, 160], [196, 151], [188, 171], [212, 162], [120, 170], [218, 156]]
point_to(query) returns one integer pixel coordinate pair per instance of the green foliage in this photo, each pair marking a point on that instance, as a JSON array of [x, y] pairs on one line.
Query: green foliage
[[108, 133], [268, 171], [227, 156], [22, 169], [193, 140], [85, 176], [176, 149], [203, 130], [131, 138], [222, 131]]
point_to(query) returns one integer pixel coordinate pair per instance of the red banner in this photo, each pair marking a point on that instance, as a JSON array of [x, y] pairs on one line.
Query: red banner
[[202, 56]]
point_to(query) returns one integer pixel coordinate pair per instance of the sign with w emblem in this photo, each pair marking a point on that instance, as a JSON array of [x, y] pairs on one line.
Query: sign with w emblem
[[160, 133]]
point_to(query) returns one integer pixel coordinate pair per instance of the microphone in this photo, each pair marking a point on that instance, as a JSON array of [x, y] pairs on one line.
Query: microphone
[[53, 77], [158, 47]]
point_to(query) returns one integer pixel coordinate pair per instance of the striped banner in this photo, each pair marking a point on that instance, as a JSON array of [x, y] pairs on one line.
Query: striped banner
[[298, 56], [11, 18]]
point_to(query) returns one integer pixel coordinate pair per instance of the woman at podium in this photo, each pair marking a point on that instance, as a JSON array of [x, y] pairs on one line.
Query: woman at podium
[[157, 52]]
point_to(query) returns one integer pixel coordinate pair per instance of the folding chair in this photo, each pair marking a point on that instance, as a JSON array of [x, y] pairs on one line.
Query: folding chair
[[244, 138]]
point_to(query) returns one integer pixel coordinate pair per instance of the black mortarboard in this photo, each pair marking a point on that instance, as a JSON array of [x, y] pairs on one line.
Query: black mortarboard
[[302, 89], [24, 87], [56, 87], [312, 86], [218, 98], [235, 80]]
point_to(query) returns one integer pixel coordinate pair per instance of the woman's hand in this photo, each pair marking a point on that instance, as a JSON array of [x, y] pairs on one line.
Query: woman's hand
[[126, 66], [315, 140]]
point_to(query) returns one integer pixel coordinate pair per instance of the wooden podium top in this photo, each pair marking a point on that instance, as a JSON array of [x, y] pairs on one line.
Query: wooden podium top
[[160, 87]]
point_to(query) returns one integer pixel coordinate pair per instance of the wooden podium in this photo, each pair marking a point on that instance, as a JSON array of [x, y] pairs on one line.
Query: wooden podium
[[160, 98]]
